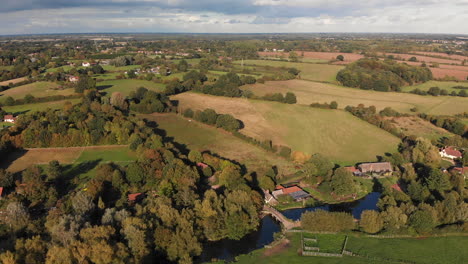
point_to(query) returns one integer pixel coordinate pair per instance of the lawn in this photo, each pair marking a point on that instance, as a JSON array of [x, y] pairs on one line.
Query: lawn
[[106, 154], [36, 89], [442, 85], [334, 133], [125, 86], [330, 243], [426, 250], [18, 109], [309, 71], [308, 92], [202, 137]]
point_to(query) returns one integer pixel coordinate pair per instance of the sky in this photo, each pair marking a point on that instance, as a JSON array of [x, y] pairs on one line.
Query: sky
[[235, 16]]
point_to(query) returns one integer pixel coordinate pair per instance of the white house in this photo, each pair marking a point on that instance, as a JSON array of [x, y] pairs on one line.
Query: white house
[[85, 64], [451, 153], [9, 119]]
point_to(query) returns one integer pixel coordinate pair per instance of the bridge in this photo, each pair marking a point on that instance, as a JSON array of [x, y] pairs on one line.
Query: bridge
[[286, 222]]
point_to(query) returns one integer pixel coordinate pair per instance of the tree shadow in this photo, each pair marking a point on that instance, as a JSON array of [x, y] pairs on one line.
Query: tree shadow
[[11, 157], [69, 179]]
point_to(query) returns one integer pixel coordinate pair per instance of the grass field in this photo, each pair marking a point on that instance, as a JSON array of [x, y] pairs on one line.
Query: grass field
[[442, 85], [74, 155], [313, 92], [334, 133], [453, 250], [309, 71], [16, 109], [123, 68], [6, 83], [202, 137], [125, 86], [419, 127], [324, 56], [107, 76], [36, 89]]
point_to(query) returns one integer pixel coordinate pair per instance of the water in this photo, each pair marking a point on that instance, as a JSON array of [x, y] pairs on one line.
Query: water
[[227, 249]]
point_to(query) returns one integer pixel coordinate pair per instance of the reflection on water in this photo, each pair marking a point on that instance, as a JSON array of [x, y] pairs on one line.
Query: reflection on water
[[227, 249]]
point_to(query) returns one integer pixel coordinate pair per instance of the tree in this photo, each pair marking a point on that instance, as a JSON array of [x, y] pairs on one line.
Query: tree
[[413, 59], [371, 221], [323, 221], [28, 98], [340, 57], [182, 66], [293, 56], [54, 170], [85, 83], [422, 221], [342, 182], [434, 91], [290, 98], [227, 122], [333, 105], [83, 203], [17, 217], [6, 179], [195, 156], [131, 74], [437, 180], [118, 100]]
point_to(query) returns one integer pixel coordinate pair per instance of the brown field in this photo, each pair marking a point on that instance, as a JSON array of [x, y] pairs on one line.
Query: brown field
[[443, 72], [348, 57], [20, 160], [418, 127], [445, 55], [421, 58], [6, 83], [308, 92]]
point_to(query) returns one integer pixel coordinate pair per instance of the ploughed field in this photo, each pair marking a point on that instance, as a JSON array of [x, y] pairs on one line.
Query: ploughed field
[[334, 133], [315, 92]]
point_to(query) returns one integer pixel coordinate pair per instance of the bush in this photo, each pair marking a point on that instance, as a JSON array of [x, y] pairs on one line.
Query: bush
[[188, 113], [323, 221]]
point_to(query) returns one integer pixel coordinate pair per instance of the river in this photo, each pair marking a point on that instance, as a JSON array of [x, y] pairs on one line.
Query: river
[[227, 249]]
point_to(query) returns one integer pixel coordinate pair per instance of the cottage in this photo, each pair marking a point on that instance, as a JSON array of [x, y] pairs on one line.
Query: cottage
[[450, 152], [134, 197], [86, 64], [382, 168], [1, 191], [353, 170], [73, 78], [202, 165], [296, 192], [9, 119]]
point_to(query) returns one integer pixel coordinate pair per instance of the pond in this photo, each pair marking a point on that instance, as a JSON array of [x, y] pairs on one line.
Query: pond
[[227, 249]]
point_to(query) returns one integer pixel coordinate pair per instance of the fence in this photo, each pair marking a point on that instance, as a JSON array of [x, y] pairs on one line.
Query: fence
[[320, 254]]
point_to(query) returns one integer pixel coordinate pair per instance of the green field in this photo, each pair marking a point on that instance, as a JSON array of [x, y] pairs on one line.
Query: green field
[[453, 250], [442, 85], [125, 86], [16, 109], [114, 154], [309, 71], [312, 92], [36, 89], [123, 68], [107, 76], [65, 68], [202, 137], [334, 133]]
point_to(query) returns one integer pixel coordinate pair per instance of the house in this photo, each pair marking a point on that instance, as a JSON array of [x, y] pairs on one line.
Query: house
[[86, 64], [450, 152], [269, 198], [134, 197], [296, 192], [73, 78], [382, 168], [202, 165], [9, 119], [1, 191], [352, 169]]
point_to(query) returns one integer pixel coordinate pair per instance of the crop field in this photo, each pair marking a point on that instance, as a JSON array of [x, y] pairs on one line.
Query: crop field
[[416, 126], [17, 109], [309, 71], [334, 133], [324, 56], [313, 92], [202, 137], [36, 89], [442, 85], [422, 58], [457, 73], [20, 160], [125, 86], [444, 55], [17, 80]]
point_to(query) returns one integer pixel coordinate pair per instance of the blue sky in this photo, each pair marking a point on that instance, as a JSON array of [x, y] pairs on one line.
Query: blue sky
[[236, 16]]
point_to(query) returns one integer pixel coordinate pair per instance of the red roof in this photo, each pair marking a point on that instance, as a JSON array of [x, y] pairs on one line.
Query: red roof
[[351, 169], [279, 187], [291, 190], [1, 190], [461, 169], [8, 117], [133, 196], [453, 152], [397, 187], [202, 165]]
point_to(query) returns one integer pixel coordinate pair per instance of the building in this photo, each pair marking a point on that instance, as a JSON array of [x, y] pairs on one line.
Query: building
[[202, 165], [135, 197], [9, 119], [269, 198], [86, 64], [296, 192], [353, 170], [1, 191], [73, 78], [450, 152], [381, 168], [461, 170]]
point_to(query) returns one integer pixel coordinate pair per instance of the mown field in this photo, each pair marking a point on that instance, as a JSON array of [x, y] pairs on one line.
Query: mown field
[[442, 85], [17, 80], [202, 137], [36, 89], [336, 134], [18, 109], [125, 86], [453, 250], [309, 71], [313, 92]]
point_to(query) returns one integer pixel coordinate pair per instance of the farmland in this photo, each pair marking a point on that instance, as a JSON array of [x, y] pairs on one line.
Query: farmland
[[202, 137], [309, 71], [6, 83], [36, 89], [323, 56], [419, 127], [312, 92], [442, 85], [16, 109], [126, 86], [334, 133]]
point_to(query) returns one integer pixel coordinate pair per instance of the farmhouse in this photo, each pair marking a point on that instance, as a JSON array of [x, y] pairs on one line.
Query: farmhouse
[[269, 199], [296, 192], [134, 197], [86, 64], [450, 152], [9, 119], [381, 168], [1, 191], [72, 78]]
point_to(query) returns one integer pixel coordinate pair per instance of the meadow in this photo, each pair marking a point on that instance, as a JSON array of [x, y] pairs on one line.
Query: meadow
[[334, 133], [202, 137], [315, 92], [442, 85], [309, 71], [125, 86], [17, 80], [36, 89], [18, 109], [418, 127]]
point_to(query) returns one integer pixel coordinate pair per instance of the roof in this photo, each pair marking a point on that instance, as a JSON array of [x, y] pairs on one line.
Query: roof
[[291, 189], [279, 187], [460, 169], [8, 117], [133, 196], [351, 169], [202, 165], [396, 187], [452, 152], [299, 195], [375, 167], [1, 191]]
